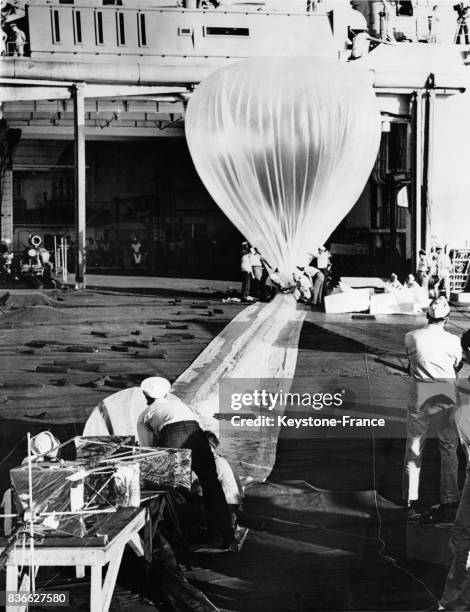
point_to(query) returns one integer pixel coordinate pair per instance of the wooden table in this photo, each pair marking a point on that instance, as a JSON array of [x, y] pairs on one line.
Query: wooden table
[[96, 551]]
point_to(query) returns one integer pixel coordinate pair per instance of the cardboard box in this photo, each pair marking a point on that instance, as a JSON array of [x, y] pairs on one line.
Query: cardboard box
[[355, 300]]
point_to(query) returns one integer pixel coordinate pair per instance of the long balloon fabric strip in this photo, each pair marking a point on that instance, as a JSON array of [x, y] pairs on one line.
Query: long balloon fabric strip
[[285, 147], [258, 349]]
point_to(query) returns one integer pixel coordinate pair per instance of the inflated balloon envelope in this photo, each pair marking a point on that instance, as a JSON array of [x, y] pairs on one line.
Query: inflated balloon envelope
[[285, 147]]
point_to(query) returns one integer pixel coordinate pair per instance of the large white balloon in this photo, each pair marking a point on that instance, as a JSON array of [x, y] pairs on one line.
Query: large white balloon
[[285, 147]]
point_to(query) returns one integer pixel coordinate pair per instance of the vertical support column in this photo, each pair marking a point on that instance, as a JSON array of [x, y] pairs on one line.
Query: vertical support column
[[429, 99], [80, 182], [6, 222], [374, 18], [416, 174], [96, 589]]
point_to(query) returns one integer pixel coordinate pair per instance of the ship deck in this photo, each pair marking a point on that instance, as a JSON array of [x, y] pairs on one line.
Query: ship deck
[[295, 557]]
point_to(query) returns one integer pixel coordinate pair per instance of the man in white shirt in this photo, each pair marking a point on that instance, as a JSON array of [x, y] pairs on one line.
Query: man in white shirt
[[423, 269], [434, 357], [309, 283], [174, 425], [444, 267], [323, 258], [324, 266], [247, 271], [136, 250], [393, 284], [19, 38]]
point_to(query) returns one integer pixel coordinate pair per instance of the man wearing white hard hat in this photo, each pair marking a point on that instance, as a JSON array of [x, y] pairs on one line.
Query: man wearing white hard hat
[[434, 356], [174, 425]]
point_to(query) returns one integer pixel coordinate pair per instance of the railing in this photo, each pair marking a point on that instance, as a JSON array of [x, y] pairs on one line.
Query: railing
[[11, 49]]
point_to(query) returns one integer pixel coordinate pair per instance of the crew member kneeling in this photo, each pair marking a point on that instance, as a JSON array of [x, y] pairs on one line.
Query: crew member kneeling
[[174, 425]]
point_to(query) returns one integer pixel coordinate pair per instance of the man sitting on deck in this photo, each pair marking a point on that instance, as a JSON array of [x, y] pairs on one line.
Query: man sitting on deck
[[174, 425], [434, 358]]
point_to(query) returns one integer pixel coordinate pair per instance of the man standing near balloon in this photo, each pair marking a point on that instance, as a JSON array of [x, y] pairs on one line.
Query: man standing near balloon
[[247, 271], [444, 267], [435, 357], [324, 265]]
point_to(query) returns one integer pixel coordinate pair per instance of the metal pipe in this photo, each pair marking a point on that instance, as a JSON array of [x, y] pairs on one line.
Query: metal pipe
[[419, 80], [132, 74], [417, 173], [179, 73], [428, 129], [64, 247], [80, 182]]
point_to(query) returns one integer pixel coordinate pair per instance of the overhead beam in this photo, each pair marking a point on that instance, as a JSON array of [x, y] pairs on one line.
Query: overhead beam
[[159, 72], [95, 133], [4, 80], [9, 93], [128, 91], [400, 80], [108, 73]]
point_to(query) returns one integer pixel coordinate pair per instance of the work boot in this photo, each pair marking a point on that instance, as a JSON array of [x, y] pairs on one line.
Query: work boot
[[214, 545], [216, 542]]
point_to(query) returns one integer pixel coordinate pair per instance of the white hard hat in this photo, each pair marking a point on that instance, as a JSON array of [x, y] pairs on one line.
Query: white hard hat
[[155, 386], [439, 309], [44, 443]]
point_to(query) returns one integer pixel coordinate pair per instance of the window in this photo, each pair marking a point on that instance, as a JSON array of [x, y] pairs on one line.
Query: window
[[66, 1], [213, 31], [399, 145], [185, 31], [77, 27], [99, 28], [55, 27], [112, 2], [121, 33], [141, 29]]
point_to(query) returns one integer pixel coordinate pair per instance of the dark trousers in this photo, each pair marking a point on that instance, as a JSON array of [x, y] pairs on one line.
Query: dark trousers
[[246, 283], [324, 289], [456, 594], [188, 434]]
